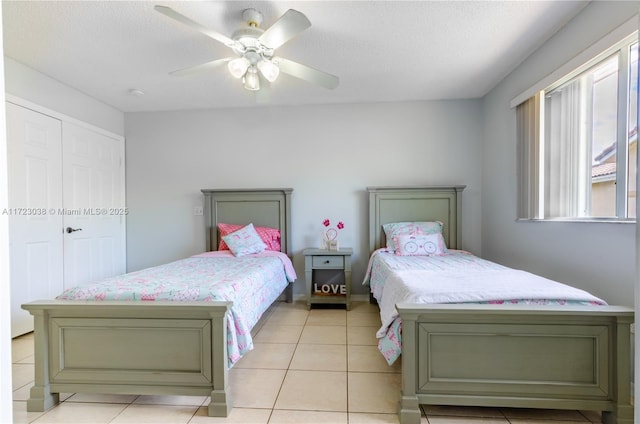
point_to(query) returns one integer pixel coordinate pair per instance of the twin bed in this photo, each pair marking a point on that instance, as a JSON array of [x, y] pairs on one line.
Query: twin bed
[[564, 352], [536, 354], [175, 329]]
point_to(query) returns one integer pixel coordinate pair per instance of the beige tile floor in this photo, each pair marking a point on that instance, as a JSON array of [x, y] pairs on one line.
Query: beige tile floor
[[318, 366]]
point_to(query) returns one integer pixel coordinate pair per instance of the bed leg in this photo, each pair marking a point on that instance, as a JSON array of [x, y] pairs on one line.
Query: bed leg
[[409, 412], [622, 415], [289, 293], [40, 399], [623, 410], [40, 396], [220, 404]]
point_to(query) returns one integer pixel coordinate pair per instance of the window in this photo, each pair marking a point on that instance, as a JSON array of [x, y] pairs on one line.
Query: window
[[577, 142]]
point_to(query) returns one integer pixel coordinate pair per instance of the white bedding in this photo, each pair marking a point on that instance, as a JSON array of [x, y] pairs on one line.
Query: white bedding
[[459, 286]]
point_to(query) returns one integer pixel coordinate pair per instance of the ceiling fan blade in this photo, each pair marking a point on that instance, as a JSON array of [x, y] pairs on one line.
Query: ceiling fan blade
[[167, 11], [306, 73], [201, 68], [284, 29]]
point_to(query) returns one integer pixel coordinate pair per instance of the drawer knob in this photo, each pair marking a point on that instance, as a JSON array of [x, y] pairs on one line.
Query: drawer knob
[[327, 261]]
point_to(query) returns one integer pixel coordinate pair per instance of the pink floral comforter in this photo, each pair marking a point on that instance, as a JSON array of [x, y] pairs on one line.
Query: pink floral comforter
[[251, 282]]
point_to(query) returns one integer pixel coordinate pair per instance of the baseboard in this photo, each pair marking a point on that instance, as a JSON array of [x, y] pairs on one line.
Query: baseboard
[[354, 297]]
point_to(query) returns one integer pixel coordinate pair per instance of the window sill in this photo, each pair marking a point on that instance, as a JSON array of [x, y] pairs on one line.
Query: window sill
[[581, 220]]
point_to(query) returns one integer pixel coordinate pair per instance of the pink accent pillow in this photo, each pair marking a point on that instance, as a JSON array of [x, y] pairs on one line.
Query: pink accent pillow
[[420, 245], [245, 241], [270, 236]]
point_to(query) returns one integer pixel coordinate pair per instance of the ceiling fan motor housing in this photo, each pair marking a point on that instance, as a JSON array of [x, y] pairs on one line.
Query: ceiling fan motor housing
[[248, 43]]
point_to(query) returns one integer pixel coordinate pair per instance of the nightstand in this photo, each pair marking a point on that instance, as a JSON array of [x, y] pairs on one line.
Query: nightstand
[[328, 276]]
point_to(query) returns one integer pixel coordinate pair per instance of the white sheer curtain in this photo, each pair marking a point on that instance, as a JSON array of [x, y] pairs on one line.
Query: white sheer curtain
[[568, 149], [554, 157], [528, 115]]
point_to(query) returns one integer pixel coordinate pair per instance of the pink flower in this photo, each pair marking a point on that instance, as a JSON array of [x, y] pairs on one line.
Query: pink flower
[[340, 225], [326, 222]]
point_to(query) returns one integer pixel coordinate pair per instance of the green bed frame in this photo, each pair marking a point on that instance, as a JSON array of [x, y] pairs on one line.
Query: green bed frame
[[161, 348], [502, 355]]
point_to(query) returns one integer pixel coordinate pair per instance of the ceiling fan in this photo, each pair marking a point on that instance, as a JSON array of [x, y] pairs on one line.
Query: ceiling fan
[[254, 49]]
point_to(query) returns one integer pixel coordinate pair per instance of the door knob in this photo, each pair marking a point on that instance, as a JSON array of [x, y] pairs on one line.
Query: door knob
[[70, 230]]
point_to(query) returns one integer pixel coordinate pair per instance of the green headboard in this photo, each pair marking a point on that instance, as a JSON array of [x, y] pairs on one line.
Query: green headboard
[[428, 203], [265, 207]]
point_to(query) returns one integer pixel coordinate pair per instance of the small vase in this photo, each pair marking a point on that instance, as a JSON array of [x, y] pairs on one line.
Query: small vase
[[334, 244]]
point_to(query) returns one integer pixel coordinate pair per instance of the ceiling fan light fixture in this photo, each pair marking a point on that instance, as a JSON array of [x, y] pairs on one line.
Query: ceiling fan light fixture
[[269, 70], [254, 49], [251, 79], [238, 67]]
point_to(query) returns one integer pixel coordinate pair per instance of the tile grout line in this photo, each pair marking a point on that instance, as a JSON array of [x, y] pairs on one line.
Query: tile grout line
[[275, 401], [346, 353]]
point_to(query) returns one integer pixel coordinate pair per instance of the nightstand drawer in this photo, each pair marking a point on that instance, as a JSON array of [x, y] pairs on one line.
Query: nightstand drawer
[[327, 261]]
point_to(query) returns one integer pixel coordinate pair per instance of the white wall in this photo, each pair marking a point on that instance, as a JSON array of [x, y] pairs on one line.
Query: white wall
[[38, 88], [597, 257], [327, 154]]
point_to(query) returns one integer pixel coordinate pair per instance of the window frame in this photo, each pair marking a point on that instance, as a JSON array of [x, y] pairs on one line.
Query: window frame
[[531, 144]]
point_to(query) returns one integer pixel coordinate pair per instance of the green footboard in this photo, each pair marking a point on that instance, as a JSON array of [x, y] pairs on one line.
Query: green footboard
[[517, 356], [170, 348]]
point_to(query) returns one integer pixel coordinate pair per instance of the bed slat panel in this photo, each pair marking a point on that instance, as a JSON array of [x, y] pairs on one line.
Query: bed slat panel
[[125, 350], [552, 359]]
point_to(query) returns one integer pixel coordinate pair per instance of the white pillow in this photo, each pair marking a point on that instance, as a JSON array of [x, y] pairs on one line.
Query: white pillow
[[415, 228], [245, 241], [420, 245]]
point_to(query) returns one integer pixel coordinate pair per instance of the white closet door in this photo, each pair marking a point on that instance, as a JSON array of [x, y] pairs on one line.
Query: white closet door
[[35, 225], [94, 202]]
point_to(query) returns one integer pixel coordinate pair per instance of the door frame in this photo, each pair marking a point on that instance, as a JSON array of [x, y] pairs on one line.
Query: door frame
[[68, 119], [61, 116]]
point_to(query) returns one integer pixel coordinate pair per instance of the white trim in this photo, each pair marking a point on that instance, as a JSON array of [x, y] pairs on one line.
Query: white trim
[[19, 101], [625, 30], [588, 220], [622, 133], [6, 389]]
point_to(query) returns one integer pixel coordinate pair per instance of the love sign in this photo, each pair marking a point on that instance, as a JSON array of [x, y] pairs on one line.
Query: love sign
[[330, 289]]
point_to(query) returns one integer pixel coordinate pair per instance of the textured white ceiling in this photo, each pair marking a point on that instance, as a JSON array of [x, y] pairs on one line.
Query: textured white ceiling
[[381, 50]]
